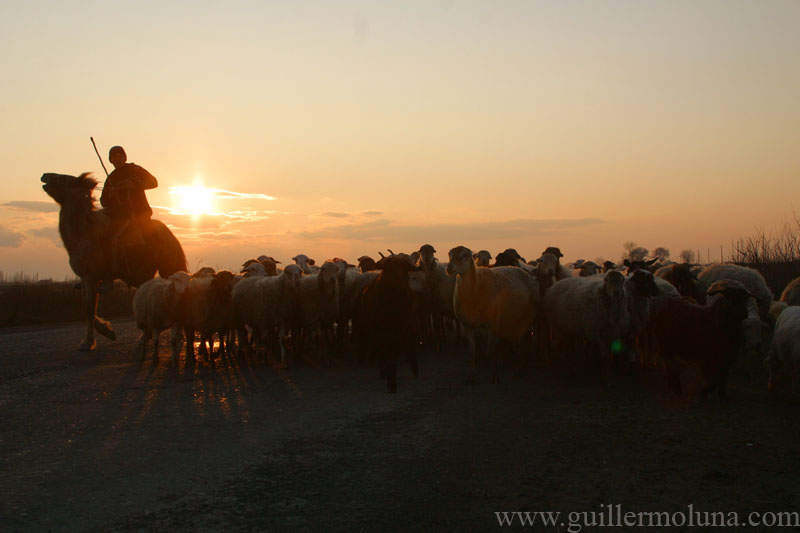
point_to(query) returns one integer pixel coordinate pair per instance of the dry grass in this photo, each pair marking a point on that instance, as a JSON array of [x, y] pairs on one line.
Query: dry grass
[[29, 302]]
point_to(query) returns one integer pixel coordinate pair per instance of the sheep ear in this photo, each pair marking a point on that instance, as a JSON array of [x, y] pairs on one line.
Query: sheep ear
[[312, 262], [294, 258], [626, 263]]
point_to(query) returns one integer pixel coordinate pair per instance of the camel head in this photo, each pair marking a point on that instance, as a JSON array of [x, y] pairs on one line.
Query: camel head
[[65, 189]]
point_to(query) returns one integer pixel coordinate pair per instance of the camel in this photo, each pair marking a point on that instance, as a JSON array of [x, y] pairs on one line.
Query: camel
[[84, 231]]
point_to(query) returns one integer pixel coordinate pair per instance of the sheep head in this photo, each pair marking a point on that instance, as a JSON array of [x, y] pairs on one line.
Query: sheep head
[[482, 258], [460, 260], [427, 259], [589, 268], [270, 266], [254, 269], [553, 251], [396, 269], [262, 258], [734, 300], [366, 263], [205, 272], [643, 283], [180, 281], [304, 262], [328, 274], [293, 274], [682, 277]]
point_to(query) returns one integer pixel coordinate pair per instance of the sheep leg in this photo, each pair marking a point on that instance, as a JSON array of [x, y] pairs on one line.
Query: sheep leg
[[492, 350], [189, 334], [472, 355], [223, 344], [389, 365], [673, 377], [243, 340], [176, 339], [156, 335], [412, 361], [143, 340], [282, 345]]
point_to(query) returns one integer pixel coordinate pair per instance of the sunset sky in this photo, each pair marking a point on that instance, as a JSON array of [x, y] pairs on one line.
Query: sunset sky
[[348, 127]]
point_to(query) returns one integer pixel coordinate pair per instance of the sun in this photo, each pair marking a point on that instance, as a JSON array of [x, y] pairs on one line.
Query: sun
[[193, 200]]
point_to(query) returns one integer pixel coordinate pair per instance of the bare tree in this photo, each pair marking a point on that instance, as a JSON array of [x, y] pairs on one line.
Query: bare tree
[[634, 252], [661, 253], [777, 246], [687, 256]]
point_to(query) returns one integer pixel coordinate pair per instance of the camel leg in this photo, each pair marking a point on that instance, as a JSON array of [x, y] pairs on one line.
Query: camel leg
[[90, 303], [103, 327]]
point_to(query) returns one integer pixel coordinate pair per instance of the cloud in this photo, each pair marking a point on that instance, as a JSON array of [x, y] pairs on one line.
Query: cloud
[[388, 231], [372, 213], [225, 194], [218, 236], [221, 193], [334, 214], [50, 233], [39, 207], [10, 238]]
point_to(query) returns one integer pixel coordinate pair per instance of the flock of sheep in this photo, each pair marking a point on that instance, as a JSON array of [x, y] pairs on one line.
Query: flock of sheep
[[692, 320]]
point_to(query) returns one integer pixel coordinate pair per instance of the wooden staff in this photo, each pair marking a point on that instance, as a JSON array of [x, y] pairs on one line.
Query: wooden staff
[[98, 156]]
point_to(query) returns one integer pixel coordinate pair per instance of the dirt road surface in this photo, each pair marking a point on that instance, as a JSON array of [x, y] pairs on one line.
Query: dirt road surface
[[103, 441]]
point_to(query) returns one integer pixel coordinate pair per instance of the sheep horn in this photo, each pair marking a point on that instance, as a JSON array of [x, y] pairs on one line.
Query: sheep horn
[[381, 254]]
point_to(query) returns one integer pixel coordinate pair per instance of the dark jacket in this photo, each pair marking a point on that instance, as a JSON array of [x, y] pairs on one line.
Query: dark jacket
[[123, 192]]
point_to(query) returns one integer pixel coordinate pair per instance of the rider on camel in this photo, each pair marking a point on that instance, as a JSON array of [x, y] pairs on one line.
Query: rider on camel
[[125, 203]]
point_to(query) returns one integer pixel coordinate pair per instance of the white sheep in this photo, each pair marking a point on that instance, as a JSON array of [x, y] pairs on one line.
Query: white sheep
[[306, 263], [753, 331], [587, 268], [752, 280], [245, 304], [640, 288], [156, 307], [591, 311], [561, 272], [791, 294], [318, 306], [276, 303], [502, 302], [482, 258], [440, 287], [784, 351]]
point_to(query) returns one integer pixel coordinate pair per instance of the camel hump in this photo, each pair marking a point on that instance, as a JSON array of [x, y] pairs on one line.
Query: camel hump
[[146, 247]]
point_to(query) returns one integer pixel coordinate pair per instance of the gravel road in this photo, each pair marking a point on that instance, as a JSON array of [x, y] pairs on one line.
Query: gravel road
[[102, 441]]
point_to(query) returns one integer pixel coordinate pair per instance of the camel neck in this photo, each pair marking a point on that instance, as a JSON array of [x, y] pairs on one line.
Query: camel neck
[[74, 225]]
